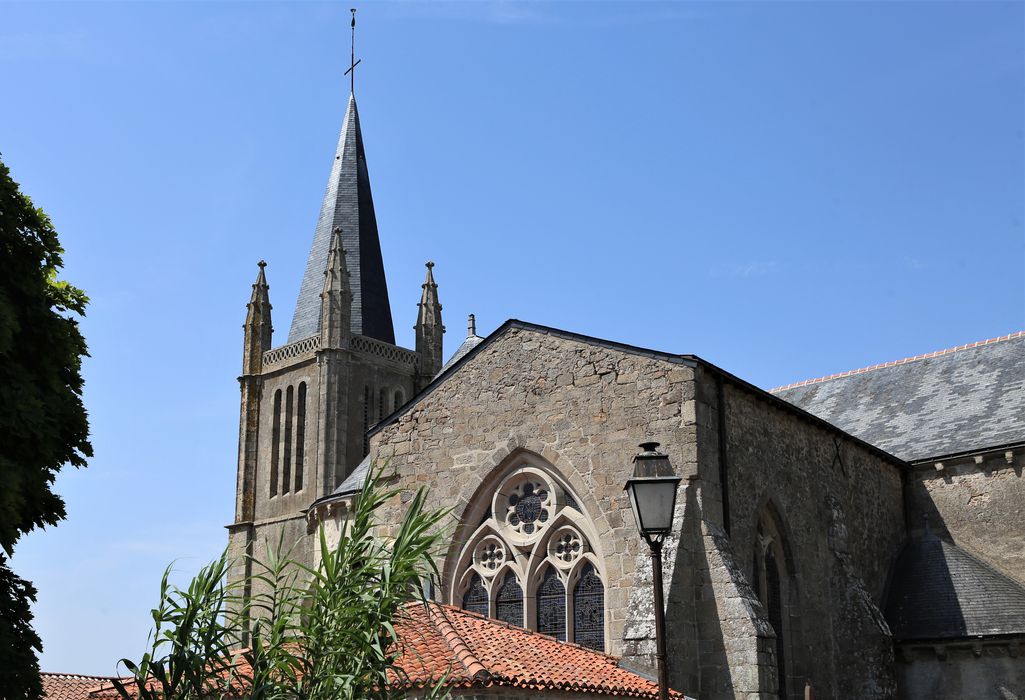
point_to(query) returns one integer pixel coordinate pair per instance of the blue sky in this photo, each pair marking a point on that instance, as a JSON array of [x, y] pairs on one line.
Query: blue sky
[[788, 190]]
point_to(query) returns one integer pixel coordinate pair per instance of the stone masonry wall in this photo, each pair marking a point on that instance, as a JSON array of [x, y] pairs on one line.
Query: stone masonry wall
[[978, 501], [840, 508], [584, 408]]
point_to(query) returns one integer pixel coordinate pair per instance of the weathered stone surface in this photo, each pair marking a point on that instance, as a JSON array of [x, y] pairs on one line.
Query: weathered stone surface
[[978, 501], [530, 391]]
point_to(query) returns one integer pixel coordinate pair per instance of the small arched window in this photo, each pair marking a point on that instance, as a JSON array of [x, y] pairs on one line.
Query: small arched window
[[589, 610], [382, 405], [476, 597], [509, 601], [398, 399], [551, 606]]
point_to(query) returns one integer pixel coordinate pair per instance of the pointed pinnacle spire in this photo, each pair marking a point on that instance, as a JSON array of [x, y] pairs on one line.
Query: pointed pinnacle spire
[[429, 328], [257, 328], [259, 301], [336, 297], [336, 274], [471, 326]]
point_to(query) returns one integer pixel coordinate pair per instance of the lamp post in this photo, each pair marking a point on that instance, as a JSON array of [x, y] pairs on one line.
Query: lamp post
[[652, 491]]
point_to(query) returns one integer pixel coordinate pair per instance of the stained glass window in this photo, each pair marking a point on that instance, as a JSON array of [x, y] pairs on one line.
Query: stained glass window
[[551, 606], [509, 602], [589, 610], [476, 597]]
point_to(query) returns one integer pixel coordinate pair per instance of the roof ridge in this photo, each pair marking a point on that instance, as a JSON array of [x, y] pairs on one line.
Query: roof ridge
[[75, 675], [892, 363], [458, 645]]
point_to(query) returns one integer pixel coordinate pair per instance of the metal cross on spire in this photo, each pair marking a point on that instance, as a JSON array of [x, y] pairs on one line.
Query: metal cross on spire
[[352, 55]]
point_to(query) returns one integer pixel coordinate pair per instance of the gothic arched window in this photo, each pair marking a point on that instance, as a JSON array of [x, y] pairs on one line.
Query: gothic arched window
[[286, 471], [589, 610], [275, 438], [300, 436], [532, 552], [774, 584], [476, 597], [509, 601], [551, 606]]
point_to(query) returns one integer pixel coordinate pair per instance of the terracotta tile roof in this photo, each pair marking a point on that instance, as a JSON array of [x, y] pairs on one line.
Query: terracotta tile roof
[[70, 686], [474, 652], [479, 652]]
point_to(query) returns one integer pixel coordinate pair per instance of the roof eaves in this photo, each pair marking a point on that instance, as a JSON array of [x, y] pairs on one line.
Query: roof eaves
[[922, 461]]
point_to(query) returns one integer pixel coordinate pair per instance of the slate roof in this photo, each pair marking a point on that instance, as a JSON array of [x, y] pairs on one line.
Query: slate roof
[[949, 402], [469, 344], [70, 686], [474, 652], [940, 591], [347, 203]]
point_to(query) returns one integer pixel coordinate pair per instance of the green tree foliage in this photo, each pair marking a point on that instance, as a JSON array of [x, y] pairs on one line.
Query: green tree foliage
[[19, 667], [43, 425], [312, 633]]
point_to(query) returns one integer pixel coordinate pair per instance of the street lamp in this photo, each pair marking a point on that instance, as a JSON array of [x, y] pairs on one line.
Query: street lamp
[[653, 499]]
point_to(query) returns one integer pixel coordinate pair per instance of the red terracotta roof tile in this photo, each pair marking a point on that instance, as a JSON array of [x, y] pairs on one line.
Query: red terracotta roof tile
[[486, 653], [471, 651], [70, 686]]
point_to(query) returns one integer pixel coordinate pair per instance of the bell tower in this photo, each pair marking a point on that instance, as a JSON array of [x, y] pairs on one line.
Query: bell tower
[[306, 406]]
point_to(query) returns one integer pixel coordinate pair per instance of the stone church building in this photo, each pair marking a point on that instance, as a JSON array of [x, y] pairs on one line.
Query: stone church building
[[861, 535]]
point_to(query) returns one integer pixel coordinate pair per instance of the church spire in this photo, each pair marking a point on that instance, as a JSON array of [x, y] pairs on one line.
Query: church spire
[[429, 329], [257, 328], [336, 297], [348, 204]]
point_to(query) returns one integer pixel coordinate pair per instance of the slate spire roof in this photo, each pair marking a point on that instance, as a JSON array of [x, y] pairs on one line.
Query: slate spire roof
[[348, 204]]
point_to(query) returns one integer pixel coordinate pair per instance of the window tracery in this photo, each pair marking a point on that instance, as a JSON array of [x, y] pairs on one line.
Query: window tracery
[[531, 560]]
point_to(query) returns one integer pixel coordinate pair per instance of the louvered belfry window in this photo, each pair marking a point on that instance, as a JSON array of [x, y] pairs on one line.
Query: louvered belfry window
[[509, 602], [589, 610], [551, 606], [476, 597]]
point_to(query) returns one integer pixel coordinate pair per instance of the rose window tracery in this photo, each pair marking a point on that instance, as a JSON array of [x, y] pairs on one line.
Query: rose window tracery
[[529, 561], [530, 506]]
